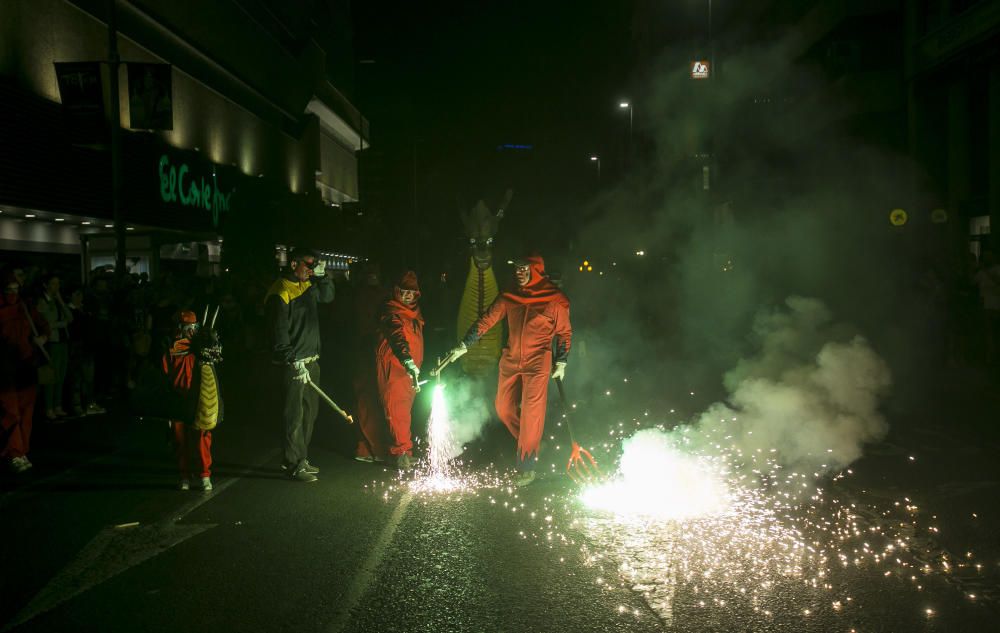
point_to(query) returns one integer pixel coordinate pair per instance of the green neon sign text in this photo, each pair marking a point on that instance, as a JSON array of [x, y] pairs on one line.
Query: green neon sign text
[[178, 186]]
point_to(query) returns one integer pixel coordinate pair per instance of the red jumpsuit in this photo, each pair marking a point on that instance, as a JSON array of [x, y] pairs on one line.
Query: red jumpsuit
[[400, 337], [18, 377], [193, 446], [536, 313], [370, 426]]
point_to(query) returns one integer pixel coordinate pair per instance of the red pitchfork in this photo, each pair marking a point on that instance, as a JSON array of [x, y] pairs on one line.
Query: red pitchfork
[[580, 470]]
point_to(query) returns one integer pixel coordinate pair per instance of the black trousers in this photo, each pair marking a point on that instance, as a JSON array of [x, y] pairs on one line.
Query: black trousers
[[299, 412]]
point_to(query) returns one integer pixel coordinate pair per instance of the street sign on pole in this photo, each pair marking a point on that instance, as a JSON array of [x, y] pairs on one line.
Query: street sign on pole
[[700, 69]]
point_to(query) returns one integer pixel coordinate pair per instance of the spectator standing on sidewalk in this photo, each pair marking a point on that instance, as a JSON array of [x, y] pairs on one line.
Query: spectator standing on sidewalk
[[57, 316], [291, 308], [19, 362], [80, 376]]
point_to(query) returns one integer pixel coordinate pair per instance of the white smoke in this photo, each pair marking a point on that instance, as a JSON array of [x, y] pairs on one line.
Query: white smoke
[[467, 414], [811, 393]]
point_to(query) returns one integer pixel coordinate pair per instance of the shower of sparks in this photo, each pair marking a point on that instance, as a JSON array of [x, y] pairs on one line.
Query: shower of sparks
[[440, 472], [655, 479], [694, 523], [437, 473]]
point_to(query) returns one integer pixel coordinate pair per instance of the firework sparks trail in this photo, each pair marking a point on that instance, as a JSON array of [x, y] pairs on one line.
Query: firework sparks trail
[[441, 472], [692, 530]]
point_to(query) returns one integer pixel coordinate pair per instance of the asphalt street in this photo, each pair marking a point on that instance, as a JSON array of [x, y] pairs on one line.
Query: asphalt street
[[104, 543]]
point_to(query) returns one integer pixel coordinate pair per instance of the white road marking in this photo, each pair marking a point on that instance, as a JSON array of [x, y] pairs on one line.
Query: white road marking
[[359, 585], [115, 550]]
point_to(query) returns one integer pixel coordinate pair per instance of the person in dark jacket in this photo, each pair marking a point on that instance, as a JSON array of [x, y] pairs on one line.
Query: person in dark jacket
[[291, 308]]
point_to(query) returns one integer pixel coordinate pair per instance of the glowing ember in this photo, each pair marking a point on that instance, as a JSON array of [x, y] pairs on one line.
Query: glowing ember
[[658, 480]]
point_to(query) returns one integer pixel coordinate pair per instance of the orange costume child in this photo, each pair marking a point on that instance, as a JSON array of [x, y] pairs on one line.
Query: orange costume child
[[398, 356], [191, 374]]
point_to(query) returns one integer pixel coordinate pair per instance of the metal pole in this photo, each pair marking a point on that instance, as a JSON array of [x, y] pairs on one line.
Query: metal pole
[[114, 61], [630, 127], [711, 43]]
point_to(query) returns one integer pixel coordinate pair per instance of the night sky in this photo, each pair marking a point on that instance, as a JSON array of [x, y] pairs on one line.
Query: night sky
[[455, 80]]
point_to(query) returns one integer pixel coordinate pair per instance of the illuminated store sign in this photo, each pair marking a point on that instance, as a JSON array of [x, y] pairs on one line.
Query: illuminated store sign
[[699, 70], [179, 186]]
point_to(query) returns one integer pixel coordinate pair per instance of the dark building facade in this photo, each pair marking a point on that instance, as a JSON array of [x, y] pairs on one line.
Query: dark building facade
[[257, 145]]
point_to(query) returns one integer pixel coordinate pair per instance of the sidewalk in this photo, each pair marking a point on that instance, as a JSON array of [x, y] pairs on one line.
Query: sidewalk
[[59, 446]]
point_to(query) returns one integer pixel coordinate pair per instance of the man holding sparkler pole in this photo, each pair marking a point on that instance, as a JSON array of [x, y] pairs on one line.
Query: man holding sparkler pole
[[537, 314], [291, 307]]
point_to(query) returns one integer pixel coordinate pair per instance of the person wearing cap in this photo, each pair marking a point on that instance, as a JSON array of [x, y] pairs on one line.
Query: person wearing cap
[[537, 314], [398, 356], [292, 312], [192, 446]]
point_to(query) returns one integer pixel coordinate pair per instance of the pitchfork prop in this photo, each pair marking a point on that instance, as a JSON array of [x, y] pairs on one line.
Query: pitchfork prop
[[581, 467]]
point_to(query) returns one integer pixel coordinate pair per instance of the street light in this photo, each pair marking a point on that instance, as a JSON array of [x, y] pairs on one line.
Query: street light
[[625, 105], [597, 159]]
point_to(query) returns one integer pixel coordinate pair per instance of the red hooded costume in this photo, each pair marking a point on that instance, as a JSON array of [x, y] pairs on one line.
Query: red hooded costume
[[400, 338], [370, 427], [536, 313], [18, 372]]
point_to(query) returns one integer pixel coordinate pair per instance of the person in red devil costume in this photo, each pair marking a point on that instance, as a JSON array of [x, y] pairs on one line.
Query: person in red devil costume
[[537, 314], [193, 447], [21, 346], [371, 427], [398, 356]]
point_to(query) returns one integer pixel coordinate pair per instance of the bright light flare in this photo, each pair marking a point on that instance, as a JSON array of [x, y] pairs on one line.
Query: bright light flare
[[658, 480], [438, 473]]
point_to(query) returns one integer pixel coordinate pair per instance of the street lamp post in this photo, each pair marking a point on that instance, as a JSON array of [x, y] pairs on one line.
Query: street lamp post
[[597, 159], [625, 105]]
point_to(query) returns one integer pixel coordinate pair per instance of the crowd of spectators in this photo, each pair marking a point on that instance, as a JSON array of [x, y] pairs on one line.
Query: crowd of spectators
[[69, 349]]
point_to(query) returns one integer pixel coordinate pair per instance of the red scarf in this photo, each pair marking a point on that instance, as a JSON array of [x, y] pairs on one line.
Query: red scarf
[[538, 290], [395, 306]]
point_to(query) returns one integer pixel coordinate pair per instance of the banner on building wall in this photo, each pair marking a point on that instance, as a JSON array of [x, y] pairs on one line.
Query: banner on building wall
[[82, 93], [150, 97]]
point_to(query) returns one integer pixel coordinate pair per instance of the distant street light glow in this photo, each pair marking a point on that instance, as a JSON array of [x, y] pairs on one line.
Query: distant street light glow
[[623, 104], [593, 158]]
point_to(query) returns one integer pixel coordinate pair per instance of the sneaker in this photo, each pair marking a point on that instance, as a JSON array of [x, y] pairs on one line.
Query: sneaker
[[525, 478], [78, 411], [60, 412], [206, 484], [19, 464], [95, 409], [309, 468], [404, 463], [368, 459], [302, 475], [184, 484]]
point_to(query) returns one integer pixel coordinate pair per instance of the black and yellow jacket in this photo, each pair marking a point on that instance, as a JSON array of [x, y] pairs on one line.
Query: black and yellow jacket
[[291, 311]]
